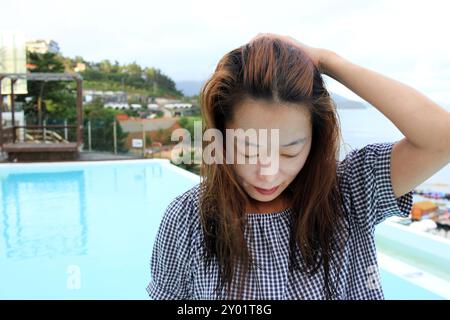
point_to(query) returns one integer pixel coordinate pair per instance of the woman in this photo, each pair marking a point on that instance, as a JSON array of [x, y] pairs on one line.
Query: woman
[[305, 231]]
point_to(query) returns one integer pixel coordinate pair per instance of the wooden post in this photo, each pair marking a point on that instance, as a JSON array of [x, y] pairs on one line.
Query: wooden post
[[89, 135], [13, 110], [79, 113], [41, 92], [143, 140], [1, 114], [44, 130], [66, 135]]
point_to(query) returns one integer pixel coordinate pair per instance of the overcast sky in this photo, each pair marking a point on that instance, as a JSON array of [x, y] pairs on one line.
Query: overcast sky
[[406, 40]]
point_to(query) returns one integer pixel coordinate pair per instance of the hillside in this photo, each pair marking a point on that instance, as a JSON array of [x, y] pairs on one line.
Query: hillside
[[131, 78], [193, 87]]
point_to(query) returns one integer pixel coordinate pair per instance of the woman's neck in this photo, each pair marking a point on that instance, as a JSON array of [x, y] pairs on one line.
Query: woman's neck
[[278, 204]]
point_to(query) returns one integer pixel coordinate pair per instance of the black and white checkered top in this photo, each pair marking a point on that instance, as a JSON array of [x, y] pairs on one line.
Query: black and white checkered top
[[177, 264]]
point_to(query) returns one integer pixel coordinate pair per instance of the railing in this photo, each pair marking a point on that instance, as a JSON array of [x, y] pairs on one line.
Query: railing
[[37, 133], [6, 136]]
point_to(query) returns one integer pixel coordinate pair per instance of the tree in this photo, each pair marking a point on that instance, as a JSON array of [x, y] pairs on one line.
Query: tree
[[133, 69], [105, 66], [148, 140], [40, 91], [102, 127], [164, 136], [188, 123], [129, 77], [131, 113]]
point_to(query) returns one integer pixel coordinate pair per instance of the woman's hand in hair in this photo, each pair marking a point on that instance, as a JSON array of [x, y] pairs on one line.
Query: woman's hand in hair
[[317, 55]]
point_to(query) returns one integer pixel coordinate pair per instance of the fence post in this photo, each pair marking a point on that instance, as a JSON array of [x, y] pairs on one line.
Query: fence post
[[66, 135], [1, 118], [115, 136], [143, 140], [44, 131], [89, 136]]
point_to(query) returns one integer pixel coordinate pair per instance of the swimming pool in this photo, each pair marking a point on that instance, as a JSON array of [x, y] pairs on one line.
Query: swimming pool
[[86, 230]]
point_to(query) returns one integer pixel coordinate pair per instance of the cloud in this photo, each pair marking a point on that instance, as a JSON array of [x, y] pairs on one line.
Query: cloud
[[185, 39]]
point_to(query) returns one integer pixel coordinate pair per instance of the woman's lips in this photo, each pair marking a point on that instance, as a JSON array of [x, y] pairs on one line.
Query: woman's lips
[[266, 191]]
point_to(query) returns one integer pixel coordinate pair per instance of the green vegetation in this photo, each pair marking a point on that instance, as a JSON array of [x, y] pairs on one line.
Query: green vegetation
[[55, 102], [48, 98], [159, 114], [102, 126], [131, 78], [164, 136], [188, 123]]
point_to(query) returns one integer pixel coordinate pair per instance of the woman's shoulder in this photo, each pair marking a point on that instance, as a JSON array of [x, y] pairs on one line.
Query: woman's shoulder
[[175, 244], [365, 157], [189, 197]]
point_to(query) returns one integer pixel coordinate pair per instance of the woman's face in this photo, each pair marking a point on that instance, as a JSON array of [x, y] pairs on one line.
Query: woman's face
[[294, 124]]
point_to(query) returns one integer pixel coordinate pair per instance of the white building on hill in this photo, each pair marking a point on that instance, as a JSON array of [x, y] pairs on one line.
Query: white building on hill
[[42, 46], [178, 105]]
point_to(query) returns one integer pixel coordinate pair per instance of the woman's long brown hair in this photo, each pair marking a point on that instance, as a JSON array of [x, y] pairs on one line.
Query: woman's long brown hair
[[274, 70]]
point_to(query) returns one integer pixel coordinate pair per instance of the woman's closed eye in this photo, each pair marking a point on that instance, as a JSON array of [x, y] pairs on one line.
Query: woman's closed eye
[[290, 155], [251, 155], [283, 155]]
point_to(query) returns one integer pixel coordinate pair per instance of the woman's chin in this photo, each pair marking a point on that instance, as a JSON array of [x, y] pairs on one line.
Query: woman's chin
[[263, 197]]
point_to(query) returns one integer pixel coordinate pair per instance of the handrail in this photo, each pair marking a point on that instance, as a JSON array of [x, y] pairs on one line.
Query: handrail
[[55, 126]]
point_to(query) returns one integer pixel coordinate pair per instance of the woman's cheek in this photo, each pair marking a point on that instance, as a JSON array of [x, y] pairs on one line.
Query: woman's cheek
[[292, 166], [246, 170]]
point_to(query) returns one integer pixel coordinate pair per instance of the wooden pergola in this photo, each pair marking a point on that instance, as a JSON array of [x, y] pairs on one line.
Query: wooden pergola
[[23, 151]]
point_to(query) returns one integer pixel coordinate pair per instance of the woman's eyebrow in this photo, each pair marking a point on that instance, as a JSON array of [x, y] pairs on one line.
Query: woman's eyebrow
[[298, 141]]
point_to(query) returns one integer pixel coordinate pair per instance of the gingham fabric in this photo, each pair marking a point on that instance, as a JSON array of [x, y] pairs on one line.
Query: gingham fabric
[[178, 270]]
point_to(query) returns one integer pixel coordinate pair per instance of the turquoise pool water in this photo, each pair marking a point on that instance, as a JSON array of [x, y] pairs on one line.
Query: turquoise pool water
[[86, 231], [396, 288]]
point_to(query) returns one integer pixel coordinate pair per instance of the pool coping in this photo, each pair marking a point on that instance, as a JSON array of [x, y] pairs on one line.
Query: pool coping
[[414, 275], [419, 240], [165, 162]]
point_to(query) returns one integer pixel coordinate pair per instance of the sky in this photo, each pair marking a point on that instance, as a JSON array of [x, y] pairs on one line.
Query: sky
[[405, 40]]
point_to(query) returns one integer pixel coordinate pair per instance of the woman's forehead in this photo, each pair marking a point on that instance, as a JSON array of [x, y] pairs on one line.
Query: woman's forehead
[[260, 114]]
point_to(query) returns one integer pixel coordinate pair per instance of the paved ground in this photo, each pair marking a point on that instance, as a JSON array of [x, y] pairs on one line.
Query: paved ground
[[93, 156]]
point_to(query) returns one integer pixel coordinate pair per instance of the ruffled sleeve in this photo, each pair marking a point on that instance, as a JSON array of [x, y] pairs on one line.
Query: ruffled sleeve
[[365, 181]]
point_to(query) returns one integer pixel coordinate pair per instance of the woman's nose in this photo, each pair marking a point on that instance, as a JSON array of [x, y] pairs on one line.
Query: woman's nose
[[268, 168], [268, 178]]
